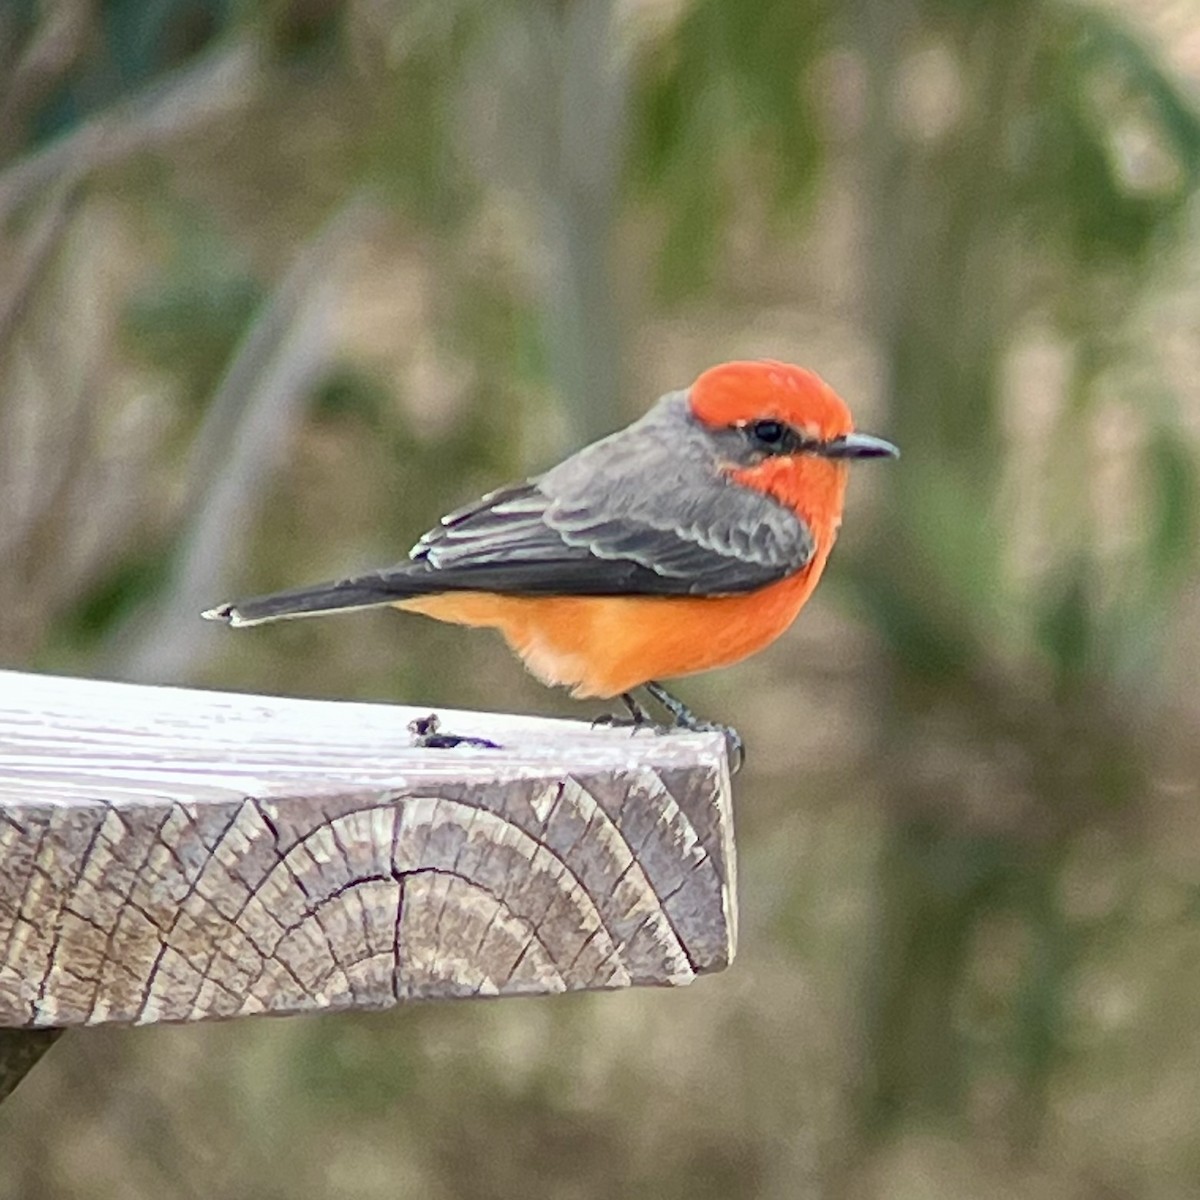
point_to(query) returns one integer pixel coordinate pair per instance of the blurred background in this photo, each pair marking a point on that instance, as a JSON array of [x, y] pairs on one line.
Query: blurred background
[[281, 282]]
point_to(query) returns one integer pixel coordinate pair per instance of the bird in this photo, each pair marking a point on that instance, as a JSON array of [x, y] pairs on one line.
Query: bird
[[686, 541]]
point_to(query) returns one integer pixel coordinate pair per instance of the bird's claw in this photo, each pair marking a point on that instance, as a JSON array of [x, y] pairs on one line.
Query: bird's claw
[[637, 719], [686, 719], [682, 718], [427, 735], [734, 746]]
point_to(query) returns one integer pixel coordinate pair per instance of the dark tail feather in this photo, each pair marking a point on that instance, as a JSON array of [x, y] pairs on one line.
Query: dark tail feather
[[366, 592]]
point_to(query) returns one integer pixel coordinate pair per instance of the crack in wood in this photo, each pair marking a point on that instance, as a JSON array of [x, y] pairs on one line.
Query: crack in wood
[[56, 936], [335, 830], [20, 914], [269, 823], [13, 823], [126, 904], [166, 946], [398, 939]]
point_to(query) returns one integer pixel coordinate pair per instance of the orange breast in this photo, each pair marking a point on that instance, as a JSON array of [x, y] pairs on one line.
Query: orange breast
[[601, 646]]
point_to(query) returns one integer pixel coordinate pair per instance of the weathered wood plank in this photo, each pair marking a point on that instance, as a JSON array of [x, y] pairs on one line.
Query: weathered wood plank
[[177, 855]]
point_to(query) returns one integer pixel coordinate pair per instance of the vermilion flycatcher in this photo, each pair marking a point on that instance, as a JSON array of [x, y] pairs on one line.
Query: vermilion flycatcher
[[688, 540]]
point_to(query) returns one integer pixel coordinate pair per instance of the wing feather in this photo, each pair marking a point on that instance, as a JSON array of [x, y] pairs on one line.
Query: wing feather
[[591, 526]]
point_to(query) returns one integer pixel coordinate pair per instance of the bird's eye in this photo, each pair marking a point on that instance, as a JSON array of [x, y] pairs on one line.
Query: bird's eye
[[768, 433]]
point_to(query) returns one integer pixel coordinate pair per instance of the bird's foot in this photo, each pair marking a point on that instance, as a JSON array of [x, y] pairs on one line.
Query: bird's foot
[[638, 718], [427, 735], [684, 718], [734, 746], [616, 721]]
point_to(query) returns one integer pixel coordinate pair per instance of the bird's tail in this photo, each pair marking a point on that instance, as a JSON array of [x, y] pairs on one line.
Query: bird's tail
[[342, 596]]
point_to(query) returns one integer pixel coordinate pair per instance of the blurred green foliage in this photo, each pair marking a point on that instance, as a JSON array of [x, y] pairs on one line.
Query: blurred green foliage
[[968, 827], [722, 103], [189, 318]]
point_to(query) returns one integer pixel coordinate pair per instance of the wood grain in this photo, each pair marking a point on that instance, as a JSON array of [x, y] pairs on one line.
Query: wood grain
[[177, 855]]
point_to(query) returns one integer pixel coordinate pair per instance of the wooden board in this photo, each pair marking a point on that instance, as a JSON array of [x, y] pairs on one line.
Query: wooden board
[[178, 855]]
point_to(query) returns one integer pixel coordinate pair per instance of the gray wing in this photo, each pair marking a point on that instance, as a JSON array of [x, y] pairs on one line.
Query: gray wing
[[645, 512], [634, 514]]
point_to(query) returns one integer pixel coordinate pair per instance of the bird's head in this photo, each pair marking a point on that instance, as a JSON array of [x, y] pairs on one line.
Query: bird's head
[[785, 431]]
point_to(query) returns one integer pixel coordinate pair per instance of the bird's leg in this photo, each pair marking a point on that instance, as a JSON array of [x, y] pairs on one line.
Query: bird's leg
[[638, 717], [637, 713], [684, 718], [427, 735]]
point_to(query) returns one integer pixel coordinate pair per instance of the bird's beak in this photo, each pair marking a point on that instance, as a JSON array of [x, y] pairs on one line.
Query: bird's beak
[[859, 445]]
